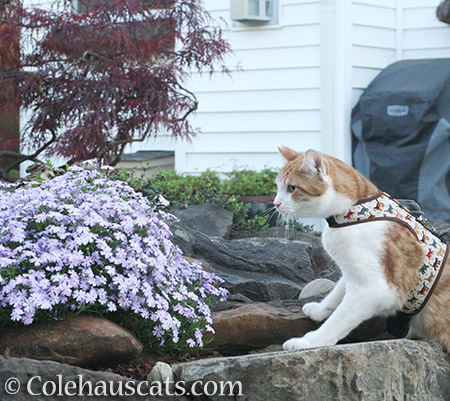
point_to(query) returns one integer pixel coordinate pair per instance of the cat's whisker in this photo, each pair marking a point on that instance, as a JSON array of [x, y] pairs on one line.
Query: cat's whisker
[[268, 211]]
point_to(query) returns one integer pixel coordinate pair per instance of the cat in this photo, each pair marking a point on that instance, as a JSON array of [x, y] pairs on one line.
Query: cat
[[380, 261]]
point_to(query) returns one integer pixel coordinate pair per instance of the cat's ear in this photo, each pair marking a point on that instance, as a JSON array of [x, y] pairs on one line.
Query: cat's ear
[[287, 153], [314, 163]]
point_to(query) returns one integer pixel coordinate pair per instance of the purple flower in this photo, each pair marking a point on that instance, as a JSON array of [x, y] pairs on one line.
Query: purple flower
[[83, 240]]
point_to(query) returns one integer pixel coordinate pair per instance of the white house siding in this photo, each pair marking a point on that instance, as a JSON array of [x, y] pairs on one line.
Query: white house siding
[[299, 79], [374, 41], [388, 30], [424, 36], [272, 98]]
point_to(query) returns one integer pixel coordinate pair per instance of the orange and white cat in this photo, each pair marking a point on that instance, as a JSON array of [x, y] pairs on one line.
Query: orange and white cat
[[379, 261]]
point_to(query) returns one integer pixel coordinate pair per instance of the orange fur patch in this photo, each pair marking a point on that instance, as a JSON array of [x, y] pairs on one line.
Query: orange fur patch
[[345, 178], [402, 258], [435, 316]]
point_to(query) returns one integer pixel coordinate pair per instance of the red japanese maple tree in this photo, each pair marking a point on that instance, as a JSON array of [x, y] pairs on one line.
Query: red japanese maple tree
[[95, 78]]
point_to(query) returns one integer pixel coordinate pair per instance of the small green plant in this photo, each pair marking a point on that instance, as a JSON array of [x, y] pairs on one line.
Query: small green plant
[[249, 182], [178, 189], [241, 221], [225, 190]]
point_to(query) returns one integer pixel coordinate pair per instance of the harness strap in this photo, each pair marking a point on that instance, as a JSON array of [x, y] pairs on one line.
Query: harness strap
[[383, 207]]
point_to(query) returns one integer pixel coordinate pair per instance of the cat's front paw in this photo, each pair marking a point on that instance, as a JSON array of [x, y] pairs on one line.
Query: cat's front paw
[[316, 312], [295, 344], [312, 339]]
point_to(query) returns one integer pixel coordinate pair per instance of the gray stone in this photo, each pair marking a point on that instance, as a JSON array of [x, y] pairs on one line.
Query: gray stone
[[80, 340], [322, 264], [261, 269], [162, 373], [288, 259], [184, 238], [259, 287], [207, 218], [241, 264], [24, 370], [317, 287], [383, 370]]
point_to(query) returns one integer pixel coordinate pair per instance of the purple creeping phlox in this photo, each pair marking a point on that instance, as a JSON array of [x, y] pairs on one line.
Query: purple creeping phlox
[[83, 240]]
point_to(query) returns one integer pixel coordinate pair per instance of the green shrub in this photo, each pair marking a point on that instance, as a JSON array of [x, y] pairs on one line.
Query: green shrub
[[249, 182], [225, 190]]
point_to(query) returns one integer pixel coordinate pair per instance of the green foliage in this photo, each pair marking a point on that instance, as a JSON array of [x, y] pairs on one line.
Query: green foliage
[[184, 190], [224, 190], [241, 222], [250, 183]]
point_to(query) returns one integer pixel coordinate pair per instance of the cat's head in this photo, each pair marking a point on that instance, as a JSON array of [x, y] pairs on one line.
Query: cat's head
[[305, 185]]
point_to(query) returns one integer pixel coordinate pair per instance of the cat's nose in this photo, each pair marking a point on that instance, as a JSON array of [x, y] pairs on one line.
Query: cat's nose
[[277, 205]]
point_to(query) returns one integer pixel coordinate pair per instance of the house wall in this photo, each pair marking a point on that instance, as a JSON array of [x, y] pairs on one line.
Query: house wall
[[272, 97], [374, 41], [301, 78], [298, 80], [423, 35]]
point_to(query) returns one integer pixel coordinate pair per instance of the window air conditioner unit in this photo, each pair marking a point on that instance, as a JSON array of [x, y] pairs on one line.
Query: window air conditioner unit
[[251, 10]]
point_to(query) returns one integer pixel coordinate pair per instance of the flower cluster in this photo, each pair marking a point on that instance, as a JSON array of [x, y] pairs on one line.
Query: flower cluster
[[85, 242]]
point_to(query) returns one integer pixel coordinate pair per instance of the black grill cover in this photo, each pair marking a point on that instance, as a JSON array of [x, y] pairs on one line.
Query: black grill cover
[[401, 133]]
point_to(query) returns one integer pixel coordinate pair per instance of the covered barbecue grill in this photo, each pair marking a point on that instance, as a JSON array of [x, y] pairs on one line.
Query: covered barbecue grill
[[401, 133]]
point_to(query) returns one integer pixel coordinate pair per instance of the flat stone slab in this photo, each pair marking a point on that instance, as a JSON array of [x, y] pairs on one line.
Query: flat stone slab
[[257, 325], [241, 328], [374, 371]]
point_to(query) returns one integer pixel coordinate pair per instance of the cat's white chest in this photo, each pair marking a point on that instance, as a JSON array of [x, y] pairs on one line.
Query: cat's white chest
[[357, 249]]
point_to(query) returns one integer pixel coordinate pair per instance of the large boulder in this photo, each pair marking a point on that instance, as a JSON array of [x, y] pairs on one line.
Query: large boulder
[[383, 370], [322, 264], [257, 325], [80, 340], [207, 218], [261, 269], [244, 327], [30, 377]]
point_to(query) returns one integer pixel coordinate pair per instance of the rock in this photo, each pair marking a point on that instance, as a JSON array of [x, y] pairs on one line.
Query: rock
[[383, 370], [207, 218], [260, 269], [322, 264], [184, 238], [317, 287], [245, 327], [42, 372], [80, 340], [162, 373], [257, 325], [259, 287]]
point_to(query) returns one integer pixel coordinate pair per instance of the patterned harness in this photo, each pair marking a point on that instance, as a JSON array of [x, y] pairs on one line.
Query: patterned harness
[[383, 207]]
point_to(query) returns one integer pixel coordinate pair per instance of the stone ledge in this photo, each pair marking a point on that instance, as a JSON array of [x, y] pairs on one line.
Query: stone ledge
[[373, 371]]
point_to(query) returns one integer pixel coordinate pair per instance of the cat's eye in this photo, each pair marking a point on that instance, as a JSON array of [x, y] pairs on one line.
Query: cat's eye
[[291, 188]]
